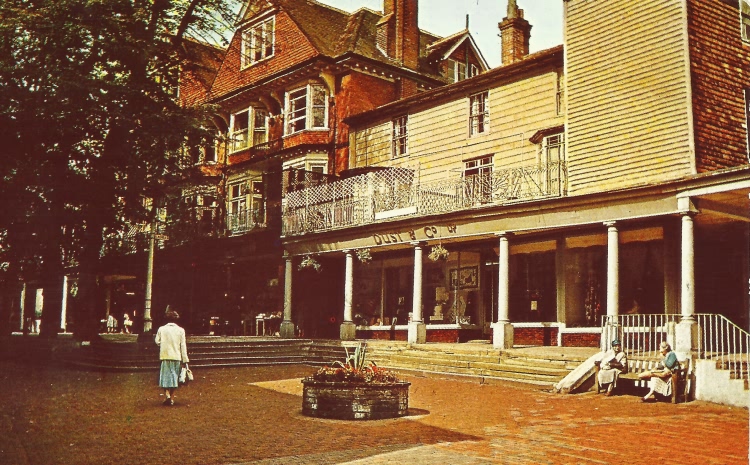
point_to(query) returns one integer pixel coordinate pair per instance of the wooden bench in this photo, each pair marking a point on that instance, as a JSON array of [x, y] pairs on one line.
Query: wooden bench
[[681, 379]]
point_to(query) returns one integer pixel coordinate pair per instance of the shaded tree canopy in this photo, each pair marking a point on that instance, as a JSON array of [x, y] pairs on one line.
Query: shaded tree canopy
[[89, 122]]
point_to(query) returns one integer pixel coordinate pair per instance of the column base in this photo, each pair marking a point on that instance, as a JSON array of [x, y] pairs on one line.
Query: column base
[[686, 337], [502, 335], [348, 331], [286, 330], [417, 333]]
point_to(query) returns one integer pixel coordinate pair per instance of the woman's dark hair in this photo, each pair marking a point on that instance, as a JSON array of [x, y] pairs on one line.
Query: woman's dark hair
[[171, 316]]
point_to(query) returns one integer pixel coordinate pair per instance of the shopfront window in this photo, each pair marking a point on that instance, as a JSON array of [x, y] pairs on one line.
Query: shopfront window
[[533, 287]]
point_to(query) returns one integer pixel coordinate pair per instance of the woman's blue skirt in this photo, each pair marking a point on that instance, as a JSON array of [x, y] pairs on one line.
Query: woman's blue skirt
[[169, 374]]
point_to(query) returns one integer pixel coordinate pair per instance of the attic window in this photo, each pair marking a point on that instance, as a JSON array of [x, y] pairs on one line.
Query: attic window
[[458, 71], [258, 42]]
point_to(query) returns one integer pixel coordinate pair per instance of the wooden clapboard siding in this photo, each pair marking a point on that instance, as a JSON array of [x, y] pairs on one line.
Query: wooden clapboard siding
[[628, 94], [439, 139]]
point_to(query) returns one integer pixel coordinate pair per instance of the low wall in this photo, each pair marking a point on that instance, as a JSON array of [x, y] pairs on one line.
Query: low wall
[[714, 385], [347, 401]]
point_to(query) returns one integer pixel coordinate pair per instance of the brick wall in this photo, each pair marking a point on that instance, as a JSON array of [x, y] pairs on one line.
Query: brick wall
[[580, 339], [543, 336], [720, 69]]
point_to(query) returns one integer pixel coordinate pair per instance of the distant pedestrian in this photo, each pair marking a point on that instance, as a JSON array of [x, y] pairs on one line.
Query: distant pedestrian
[[126, 324], [111, 323], [173, 353]]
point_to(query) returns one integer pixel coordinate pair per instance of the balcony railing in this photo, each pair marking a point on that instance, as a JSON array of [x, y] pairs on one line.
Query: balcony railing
[[244, 221], [397, 192]]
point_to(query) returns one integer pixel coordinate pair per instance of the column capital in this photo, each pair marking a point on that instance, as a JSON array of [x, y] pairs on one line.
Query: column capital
[[419, 244], [505, 234], [610, 224], [348, 251], [688, 214], [287, 256]]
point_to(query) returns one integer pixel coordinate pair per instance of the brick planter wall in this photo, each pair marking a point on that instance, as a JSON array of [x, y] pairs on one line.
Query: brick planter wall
[[346, 401]]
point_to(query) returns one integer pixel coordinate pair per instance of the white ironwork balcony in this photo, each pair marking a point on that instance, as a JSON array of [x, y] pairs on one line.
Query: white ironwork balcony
[[396, 192], [244, 221]]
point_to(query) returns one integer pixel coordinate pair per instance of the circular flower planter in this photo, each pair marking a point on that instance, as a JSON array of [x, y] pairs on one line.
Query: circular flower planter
[[354, 401]]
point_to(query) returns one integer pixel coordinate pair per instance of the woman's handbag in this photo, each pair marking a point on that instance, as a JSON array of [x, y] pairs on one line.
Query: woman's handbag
[[186, 374]]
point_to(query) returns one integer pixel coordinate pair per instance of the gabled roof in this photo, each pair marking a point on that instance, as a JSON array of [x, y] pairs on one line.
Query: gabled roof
[[334, 32], [442, 49]]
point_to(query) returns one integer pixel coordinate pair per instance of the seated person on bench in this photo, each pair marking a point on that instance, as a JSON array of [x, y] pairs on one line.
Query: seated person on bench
[[660, 379], [611, 366]]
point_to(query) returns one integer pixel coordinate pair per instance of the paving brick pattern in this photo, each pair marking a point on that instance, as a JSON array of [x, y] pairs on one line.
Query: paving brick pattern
[[253, 416]]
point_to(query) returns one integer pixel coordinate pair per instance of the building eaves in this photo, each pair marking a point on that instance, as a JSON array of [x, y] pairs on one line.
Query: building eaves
[[533, 61]]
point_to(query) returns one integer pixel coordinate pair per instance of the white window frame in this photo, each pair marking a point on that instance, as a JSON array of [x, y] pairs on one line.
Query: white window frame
[[477, 174], [745, 20], [551, 160], [301, 106], [241, 139], [479, 113], [258, 42], [559, 94], [400, 137]]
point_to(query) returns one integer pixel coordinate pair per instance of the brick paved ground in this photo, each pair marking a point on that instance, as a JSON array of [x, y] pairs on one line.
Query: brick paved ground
[[252, 416]]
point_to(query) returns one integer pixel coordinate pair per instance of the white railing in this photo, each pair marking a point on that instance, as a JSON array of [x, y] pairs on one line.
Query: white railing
[[397, 192], [717, 338], [640, 335], [721, 340]]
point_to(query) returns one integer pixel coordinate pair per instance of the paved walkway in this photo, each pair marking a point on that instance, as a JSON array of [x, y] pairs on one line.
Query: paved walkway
[[252, 416]]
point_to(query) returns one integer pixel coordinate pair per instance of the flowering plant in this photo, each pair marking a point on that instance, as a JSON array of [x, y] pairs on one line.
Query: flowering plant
[[308, 261], [364, 255], [355, 369], [438, 252]]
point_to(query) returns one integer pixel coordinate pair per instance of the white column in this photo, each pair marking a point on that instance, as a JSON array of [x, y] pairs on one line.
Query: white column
[[348, 330], [348, 286], [503, 280], [613, 272], [416, 307], [686, 337], [417, 331], [611, 329], [286, 330], [687, 299], [502, 330], [149, 279], [22, 307], [64, 311]]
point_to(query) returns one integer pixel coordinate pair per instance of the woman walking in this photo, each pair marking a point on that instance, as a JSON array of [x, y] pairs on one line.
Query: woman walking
[[173, 353]]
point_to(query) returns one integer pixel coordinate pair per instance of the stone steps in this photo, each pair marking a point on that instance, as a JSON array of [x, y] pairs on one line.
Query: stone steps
[[475, 361]]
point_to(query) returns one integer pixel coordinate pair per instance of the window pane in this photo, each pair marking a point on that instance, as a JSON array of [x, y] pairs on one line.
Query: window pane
[[319, 116]]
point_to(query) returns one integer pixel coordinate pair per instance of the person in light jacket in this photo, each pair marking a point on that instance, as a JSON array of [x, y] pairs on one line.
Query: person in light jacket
[[173, 353]]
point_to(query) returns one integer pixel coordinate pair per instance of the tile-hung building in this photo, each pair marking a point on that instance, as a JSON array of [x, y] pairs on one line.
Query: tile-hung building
[[294, 70], [599, 186]]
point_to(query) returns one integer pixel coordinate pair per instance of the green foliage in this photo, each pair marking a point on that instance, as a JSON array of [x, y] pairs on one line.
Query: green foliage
[[355, 369]]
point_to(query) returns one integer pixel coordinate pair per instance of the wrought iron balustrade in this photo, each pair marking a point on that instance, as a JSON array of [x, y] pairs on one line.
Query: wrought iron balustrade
[[245, 220], [322, 204]]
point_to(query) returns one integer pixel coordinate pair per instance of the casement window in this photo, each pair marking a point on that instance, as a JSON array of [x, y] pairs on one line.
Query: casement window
[[745, 20], [551, 163], [477, 175], [479, 114], [258, 42], [246, 122], [458, 71], [246, 204], [400, 137], [306, 108]]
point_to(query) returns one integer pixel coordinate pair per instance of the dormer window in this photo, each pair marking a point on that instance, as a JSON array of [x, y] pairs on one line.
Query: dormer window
[[458, 71], [258, 42], [306, 108]]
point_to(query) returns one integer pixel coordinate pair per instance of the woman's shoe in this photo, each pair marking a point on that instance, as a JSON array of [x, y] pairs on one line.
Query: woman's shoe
[[648, 399]]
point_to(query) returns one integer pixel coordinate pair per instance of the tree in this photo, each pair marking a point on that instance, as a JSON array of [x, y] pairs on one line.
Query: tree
[[89, 126]]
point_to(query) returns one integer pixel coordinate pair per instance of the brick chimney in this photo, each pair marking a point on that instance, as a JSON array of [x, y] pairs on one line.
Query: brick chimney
[[398, 33], [514, 34]]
